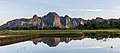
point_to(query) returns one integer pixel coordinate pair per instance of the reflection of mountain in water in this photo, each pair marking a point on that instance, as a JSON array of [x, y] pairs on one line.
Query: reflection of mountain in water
[[54, 41]]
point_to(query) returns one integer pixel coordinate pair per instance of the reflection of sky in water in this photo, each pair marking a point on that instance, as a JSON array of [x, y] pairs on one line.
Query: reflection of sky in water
[[86, 45]]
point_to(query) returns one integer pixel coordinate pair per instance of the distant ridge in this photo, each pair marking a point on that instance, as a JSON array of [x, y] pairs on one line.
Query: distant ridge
[[52, 19]]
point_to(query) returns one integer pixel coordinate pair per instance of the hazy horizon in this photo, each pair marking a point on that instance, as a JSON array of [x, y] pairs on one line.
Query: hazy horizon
[[86, 9]]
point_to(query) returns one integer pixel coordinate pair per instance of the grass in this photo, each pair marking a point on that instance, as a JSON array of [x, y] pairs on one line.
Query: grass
[[41, 32], [100, 31], [56, 32]]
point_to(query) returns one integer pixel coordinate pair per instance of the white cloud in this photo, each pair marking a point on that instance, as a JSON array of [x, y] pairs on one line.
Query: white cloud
[[92, 47], [94, 10], [116, 7], [88, 10], [115, 11]]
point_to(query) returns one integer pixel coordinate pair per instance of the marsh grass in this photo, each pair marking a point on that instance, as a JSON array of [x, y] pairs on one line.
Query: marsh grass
[[41, 32], [56, 32]]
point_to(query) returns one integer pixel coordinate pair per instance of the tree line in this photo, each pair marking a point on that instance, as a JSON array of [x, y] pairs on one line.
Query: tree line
[[100, 25]]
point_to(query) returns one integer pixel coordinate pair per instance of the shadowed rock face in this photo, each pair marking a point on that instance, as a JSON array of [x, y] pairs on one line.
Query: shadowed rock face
[[16, 23], [51, 19], [66, 21], [36, 21]]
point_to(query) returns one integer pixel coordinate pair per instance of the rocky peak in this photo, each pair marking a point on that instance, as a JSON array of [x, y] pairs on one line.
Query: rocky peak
[[66, 16], [35, 16], [99, 18], [52, 14], [52, 19]]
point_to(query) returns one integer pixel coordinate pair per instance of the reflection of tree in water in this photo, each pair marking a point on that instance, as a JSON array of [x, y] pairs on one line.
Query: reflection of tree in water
[[102, 36], [54, 41]]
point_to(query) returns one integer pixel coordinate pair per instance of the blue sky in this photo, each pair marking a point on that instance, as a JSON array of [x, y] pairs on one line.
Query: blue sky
[[87, 9]]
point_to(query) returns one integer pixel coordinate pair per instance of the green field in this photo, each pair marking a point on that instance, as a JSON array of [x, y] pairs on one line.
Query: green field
[[41, 32], [55, 32]]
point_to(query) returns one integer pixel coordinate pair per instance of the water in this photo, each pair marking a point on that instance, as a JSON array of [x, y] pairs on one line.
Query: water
[[87, 43]]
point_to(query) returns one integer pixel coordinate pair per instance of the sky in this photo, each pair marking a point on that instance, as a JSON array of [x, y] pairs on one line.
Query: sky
[[86, 9]]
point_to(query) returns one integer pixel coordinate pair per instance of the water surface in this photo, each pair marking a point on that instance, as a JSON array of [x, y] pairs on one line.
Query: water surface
[[87, 43]]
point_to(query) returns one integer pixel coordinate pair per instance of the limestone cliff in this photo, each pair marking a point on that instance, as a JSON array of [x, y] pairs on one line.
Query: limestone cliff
[[51, 19]]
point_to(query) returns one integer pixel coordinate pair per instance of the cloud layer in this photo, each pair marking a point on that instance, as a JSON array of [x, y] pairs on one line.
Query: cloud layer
[[88, 10]]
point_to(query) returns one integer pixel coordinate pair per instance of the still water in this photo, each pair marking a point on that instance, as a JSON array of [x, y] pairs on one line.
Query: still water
[[86, 43]]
